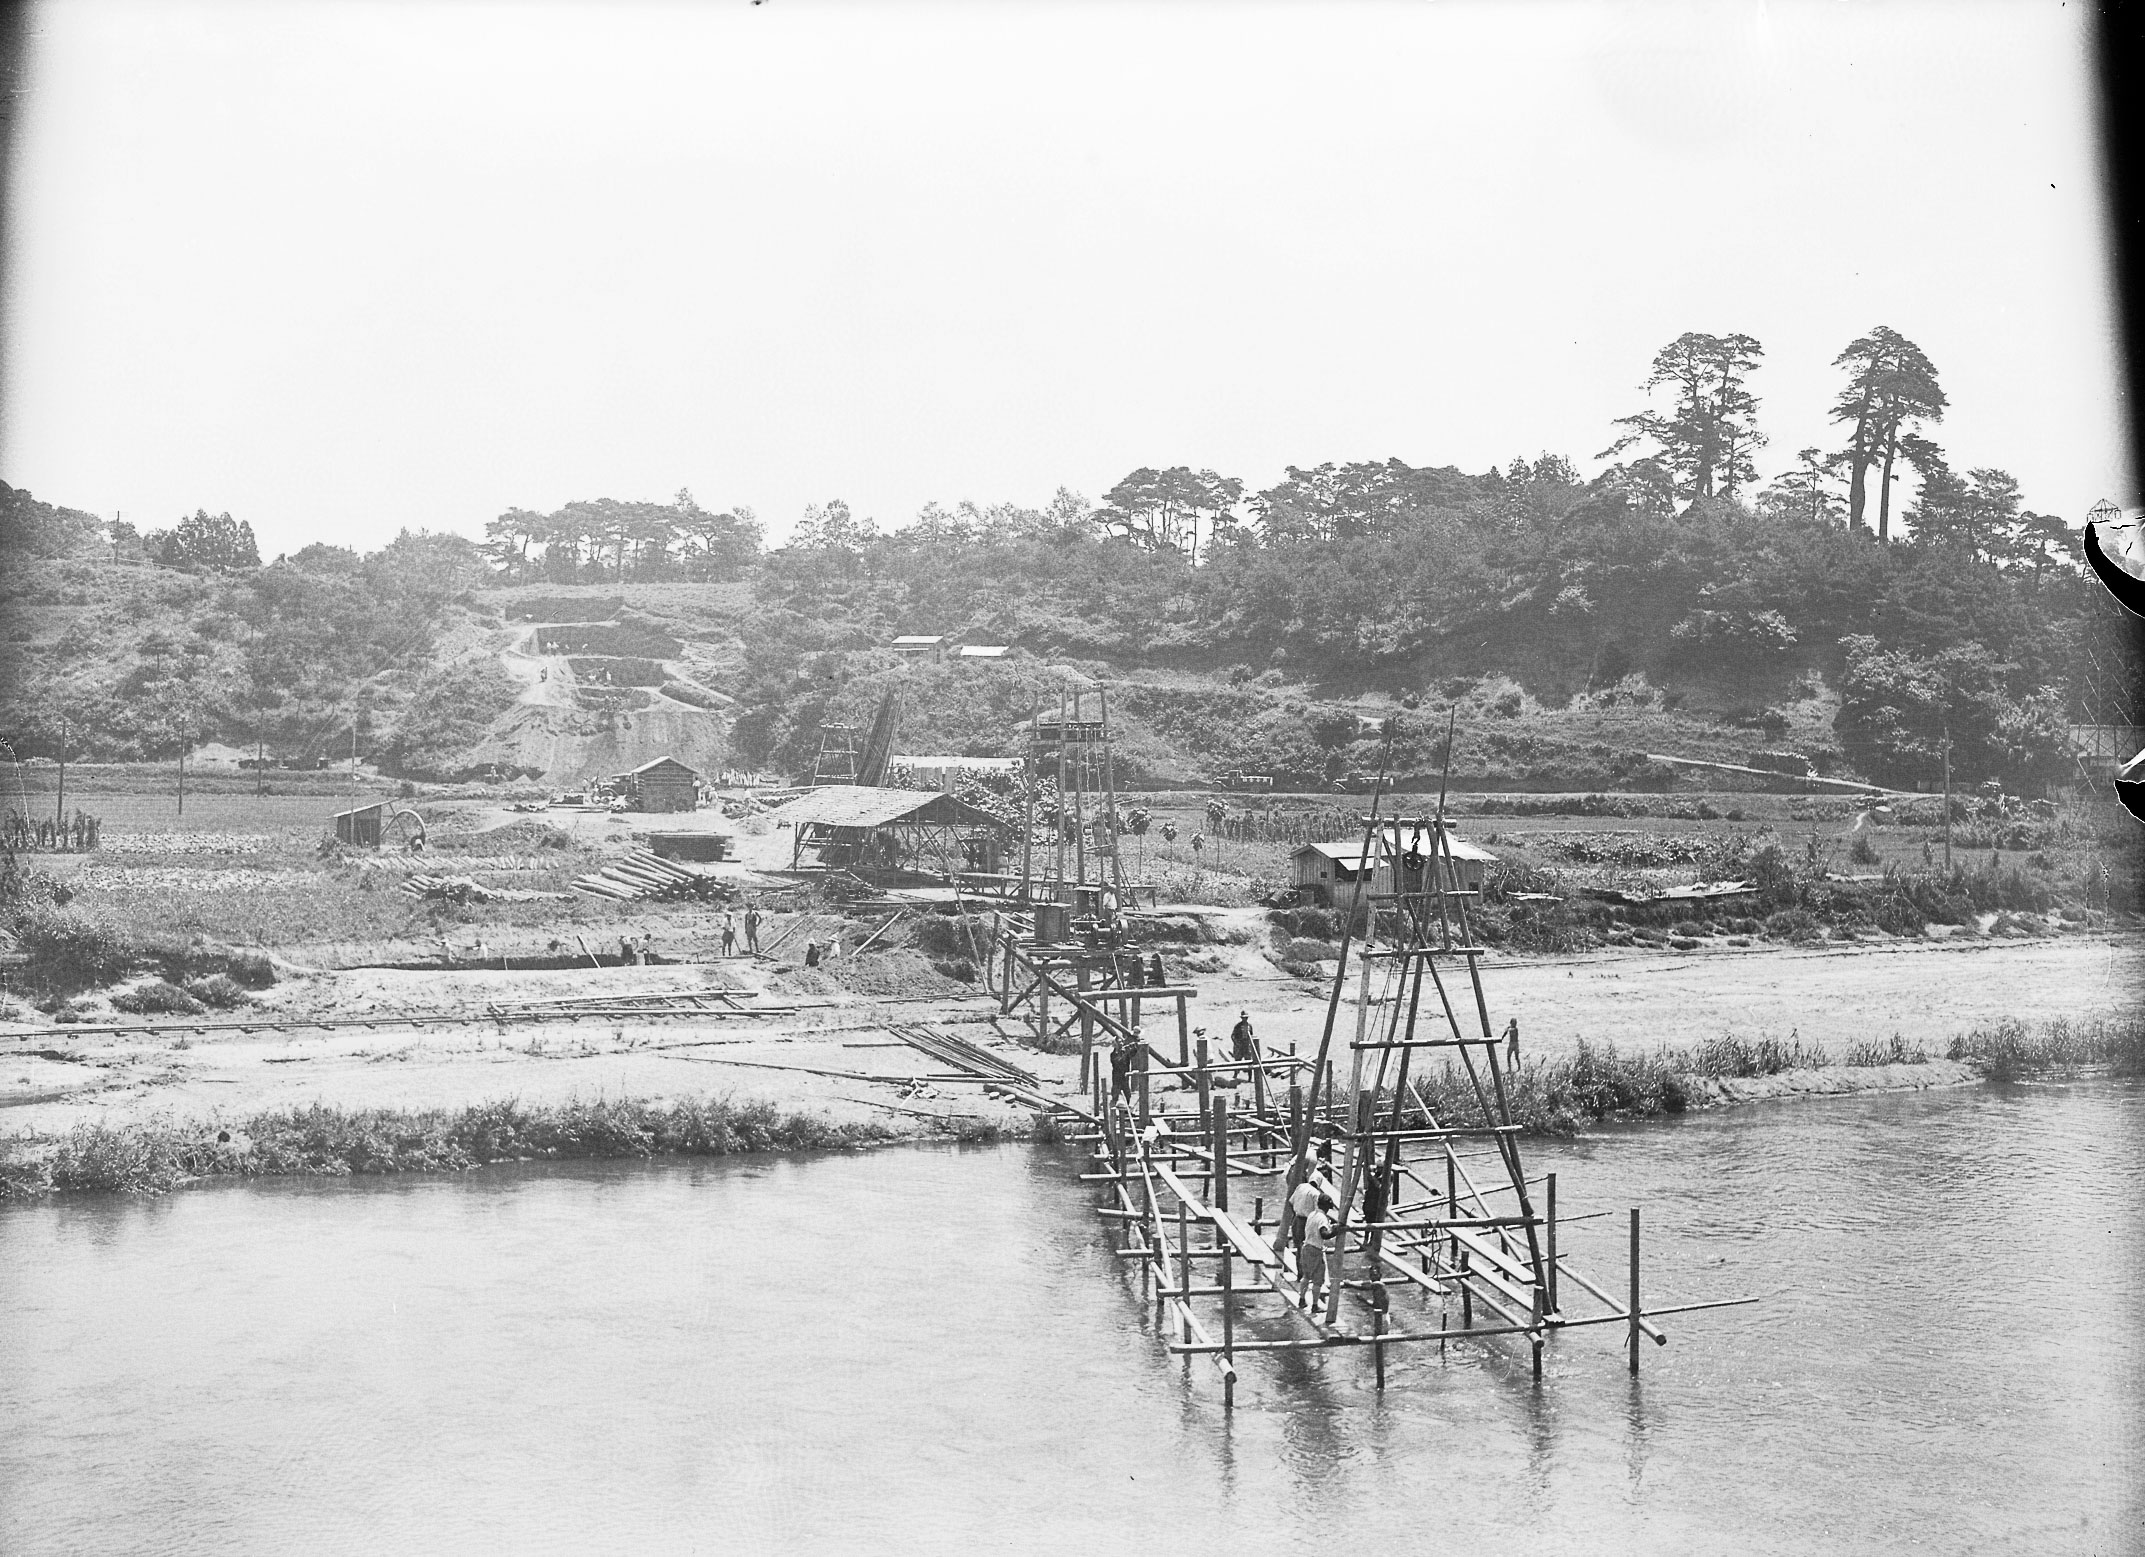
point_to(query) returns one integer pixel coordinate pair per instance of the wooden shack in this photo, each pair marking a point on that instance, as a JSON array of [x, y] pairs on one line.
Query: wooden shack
[[1328, 872], [665, 784], [363, 824]]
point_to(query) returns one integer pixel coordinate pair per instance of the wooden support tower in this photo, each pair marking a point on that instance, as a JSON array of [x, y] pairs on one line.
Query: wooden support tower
[[1409, 1217]]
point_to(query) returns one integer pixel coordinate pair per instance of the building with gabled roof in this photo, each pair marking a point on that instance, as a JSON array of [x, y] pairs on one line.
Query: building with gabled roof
[[857, 828]]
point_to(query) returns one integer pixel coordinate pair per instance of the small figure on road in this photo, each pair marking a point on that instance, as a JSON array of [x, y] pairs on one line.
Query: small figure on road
[[1511, 1043]]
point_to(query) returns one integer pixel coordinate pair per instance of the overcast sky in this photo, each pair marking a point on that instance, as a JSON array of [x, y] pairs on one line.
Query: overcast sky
[[341, 269]]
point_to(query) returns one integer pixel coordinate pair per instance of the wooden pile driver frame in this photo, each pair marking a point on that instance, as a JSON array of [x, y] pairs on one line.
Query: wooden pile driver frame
[[1410, 1214]]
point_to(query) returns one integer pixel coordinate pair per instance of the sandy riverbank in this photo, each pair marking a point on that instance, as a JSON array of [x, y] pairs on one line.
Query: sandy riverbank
[[1924, 991], [1638, 1001]]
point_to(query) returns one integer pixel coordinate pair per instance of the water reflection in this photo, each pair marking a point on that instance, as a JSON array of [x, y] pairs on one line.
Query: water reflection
[[926, 1351]]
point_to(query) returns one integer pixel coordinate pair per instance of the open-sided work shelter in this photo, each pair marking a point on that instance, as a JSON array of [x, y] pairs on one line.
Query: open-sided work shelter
[[889, 831]]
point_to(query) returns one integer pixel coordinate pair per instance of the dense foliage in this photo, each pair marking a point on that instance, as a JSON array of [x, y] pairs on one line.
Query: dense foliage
[[146, 659], [1233, 621]]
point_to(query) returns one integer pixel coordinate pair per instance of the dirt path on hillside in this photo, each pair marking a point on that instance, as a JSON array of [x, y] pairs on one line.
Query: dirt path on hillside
[[546, 679]]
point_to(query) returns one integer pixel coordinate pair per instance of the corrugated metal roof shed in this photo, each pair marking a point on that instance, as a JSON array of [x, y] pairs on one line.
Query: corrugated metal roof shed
[[980, 651]]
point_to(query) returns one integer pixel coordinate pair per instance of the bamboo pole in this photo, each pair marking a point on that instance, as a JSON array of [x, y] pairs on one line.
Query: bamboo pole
[[1320, 1068], [1087, 1019], [1228, 1307], [1217, 1159], [1551, 1272], [1634, 1309]]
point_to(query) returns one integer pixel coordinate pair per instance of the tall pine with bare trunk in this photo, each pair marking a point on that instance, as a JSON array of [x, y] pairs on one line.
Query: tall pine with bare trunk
[[1891, 392]]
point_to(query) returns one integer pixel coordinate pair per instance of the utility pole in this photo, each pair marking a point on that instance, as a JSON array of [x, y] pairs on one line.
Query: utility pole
[[1947, 797], [182, 770], [59, 815]]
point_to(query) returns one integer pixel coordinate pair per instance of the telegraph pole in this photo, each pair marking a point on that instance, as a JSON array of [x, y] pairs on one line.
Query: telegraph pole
[[59, 815]]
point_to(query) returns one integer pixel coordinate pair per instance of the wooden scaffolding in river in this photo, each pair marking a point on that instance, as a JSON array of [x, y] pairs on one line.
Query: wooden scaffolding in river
[[1426, 1201], [1062, 959]]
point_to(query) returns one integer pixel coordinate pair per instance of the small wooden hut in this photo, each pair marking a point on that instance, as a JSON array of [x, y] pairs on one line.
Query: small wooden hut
[[665, 784], [362, 824], [1327, 872]]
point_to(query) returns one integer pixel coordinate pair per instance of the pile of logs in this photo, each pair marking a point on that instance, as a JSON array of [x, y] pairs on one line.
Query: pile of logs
[[640, 874], [461, 889]]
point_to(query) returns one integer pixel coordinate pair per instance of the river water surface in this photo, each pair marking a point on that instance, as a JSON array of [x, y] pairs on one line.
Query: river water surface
[[933, 1351]]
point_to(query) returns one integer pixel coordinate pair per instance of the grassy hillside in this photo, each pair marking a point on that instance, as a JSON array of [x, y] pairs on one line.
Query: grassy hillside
[[1568, 629]]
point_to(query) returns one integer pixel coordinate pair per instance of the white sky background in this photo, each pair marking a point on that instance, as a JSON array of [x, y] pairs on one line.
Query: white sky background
[[344, 268]]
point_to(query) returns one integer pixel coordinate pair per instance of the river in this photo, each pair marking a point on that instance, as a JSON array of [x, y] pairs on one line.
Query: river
[[933, 1351]]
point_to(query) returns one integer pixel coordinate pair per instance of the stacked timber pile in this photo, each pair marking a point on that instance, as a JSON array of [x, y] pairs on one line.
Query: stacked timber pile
[[461, 889], [961, 1055], [641, 874], [638, 1007]]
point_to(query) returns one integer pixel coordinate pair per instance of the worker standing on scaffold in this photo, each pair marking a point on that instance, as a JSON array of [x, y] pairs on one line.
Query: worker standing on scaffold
[[1311, 1258], [1128, 1045]]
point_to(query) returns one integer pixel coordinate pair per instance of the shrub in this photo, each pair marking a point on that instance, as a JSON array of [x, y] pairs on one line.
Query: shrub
[[1729, 1055], [68, 952], [2010, 1049], [157, 998], [1869, 1052], [1862, 851], [1793, 924], [218, 990], [1303, 949], [942, 936]]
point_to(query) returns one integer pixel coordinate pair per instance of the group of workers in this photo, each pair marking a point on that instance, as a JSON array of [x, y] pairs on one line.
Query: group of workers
[[20, 832], [1311, 1191], [752, 932]]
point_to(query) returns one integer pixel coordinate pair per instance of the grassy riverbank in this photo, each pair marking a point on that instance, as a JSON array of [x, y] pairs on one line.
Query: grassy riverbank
[[1552, 1098], [1599, 1083], [153, 1156]]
